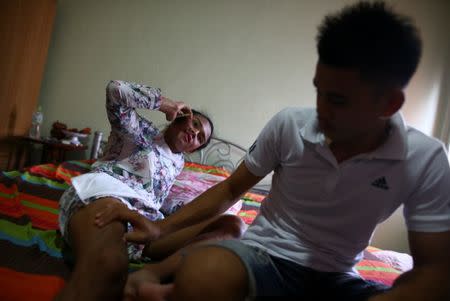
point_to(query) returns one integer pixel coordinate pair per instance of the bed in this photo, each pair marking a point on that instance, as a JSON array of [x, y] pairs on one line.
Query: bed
[[33, 261]]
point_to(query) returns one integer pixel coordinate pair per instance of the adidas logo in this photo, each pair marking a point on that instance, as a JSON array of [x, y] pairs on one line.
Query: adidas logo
[[381, 183]]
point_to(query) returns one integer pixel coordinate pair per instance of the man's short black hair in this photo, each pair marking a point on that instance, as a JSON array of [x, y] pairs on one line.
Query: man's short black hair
[[370, 37]]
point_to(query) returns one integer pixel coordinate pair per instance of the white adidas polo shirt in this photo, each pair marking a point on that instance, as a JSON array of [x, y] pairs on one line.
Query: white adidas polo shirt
[[321, 214]]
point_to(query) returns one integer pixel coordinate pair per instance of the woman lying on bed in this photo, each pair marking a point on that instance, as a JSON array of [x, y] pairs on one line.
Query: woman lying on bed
[[137, 171]]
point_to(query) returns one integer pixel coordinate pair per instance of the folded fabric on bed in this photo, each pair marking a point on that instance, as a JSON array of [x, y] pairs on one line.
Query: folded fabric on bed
[[193, 181], [400, 261], [374, 268]]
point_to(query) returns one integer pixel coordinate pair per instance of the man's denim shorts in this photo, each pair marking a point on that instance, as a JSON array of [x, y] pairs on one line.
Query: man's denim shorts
[[273, 276]]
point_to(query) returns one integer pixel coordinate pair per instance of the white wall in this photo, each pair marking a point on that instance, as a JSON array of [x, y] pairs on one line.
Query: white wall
[[240, 61]]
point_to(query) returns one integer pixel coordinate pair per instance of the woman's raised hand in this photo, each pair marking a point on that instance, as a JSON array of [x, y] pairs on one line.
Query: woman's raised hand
[[174, 109]]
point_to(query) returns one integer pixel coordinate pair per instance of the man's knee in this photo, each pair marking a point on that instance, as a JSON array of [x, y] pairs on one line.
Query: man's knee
[[229, 225], [211, 273]]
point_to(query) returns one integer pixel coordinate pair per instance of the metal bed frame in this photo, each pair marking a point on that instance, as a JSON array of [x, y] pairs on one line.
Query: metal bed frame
[[219, 152]]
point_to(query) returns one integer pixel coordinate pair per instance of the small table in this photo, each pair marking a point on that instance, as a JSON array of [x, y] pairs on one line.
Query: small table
[[52, 151]]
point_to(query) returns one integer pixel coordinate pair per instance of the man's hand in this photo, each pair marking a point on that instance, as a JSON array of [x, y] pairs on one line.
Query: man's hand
[[144, 231], [174, 109]]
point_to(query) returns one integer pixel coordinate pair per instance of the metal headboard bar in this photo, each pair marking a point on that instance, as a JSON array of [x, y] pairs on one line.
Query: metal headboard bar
[[219, 152], [226, 154]]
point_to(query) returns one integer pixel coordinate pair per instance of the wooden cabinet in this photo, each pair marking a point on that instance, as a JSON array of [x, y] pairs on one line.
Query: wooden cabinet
[[25, 31]]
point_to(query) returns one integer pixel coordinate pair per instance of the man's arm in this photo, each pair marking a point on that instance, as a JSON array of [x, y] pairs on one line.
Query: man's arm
[[429, 280], [214, 201]]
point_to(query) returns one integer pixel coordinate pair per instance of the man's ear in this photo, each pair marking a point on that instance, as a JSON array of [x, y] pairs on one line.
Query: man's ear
[[395, 100]]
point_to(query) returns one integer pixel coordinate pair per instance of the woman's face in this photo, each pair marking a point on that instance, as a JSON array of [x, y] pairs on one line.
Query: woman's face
[[186, 134]]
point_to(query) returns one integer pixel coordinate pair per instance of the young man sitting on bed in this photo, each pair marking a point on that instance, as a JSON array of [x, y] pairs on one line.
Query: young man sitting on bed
[[340, 170], [137, 172]]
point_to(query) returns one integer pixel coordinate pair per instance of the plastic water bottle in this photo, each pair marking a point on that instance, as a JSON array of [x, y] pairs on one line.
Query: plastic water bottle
[[36, 121]]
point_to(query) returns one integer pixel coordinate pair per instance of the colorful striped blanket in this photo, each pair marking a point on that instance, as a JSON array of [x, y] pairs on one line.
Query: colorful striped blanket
[[32, 260]]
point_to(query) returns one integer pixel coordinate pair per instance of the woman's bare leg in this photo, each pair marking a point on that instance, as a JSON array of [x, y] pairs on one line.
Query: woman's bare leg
[[221, 227], [101, 259]]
